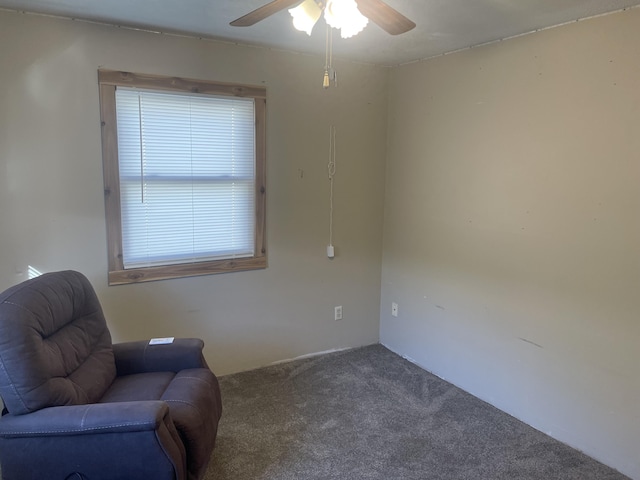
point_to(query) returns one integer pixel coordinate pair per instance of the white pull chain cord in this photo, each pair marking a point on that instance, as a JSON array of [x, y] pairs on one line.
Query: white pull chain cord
[[331, 170], [329, 73]]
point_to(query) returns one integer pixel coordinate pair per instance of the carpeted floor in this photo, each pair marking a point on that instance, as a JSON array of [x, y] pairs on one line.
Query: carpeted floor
[[369, 414]]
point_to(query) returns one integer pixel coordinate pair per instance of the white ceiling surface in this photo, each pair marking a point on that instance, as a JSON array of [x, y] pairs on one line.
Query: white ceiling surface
[[442, 25]]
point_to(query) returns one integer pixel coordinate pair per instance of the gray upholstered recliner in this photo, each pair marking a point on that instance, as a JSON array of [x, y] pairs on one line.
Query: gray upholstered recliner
[[78, 407]]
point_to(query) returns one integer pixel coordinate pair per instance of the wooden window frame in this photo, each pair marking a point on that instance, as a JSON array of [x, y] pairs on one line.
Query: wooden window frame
[[108, 81]]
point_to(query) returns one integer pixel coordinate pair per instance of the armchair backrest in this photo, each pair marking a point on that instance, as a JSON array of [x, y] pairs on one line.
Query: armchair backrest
[[55, 347]]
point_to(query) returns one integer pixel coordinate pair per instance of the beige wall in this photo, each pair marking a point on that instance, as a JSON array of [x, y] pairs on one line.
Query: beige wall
[[52, 214], [512, 228]]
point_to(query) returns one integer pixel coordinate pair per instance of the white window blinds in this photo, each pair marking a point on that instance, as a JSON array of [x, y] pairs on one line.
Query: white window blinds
[[187, 177]]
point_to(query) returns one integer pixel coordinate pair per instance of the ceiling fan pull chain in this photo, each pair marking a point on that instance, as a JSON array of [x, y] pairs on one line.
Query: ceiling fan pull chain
[[329, 72], [325, 80], [331, 169], [332, 71]]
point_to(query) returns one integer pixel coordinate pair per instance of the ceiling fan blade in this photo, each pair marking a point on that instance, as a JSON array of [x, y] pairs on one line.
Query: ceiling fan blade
[[385, 17], [263, 12]]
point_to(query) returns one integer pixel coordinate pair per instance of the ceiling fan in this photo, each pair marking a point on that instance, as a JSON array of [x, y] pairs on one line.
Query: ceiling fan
[[377, 11]]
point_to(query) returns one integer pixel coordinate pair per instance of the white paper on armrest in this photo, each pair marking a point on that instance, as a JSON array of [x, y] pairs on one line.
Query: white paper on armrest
[[161, 341]]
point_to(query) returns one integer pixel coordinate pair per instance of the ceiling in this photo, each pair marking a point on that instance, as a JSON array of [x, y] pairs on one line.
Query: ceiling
[[442, 25]]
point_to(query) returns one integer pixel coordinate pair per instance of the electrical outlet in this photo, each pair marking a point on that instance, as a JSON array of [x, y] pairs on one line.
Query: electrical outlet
[[394, 309], [337, 312]]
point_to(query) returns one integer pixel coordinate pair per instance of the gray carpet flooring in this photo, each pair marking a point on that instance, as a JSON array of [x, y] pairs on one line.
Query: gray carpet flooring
[[369, 414]]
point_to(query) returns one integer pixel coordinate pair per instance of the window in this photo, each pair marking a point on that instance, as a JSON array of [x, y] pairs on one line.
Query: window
[[184, 174]]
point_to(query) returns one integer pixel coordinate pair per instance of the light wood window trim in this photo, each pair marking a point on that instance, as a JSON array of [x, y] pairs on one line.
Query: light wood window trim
[[108, 80]]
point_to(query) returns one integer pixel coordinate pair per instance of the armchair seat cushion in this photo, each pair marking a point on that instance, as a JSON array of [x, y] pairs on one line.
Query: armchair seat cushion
[[191, 396], [138, 387]]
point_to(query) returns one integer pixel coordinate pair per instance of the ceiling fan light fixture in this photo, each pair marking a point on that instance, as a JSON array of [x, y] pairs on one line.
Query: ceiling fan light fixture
[[353, 27], [345, 16], [305, 16]]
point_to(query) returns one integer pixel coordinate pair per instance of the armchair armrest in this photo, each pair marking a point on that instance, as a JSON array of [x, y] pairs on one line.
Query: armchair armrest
[[140, 357], [104, 440], [86, 419]]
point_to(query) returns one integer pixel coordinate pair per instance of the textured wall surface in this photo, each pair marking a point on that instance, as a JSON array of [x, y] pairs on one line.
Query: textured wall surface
[[512, 232], [52, 213]]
